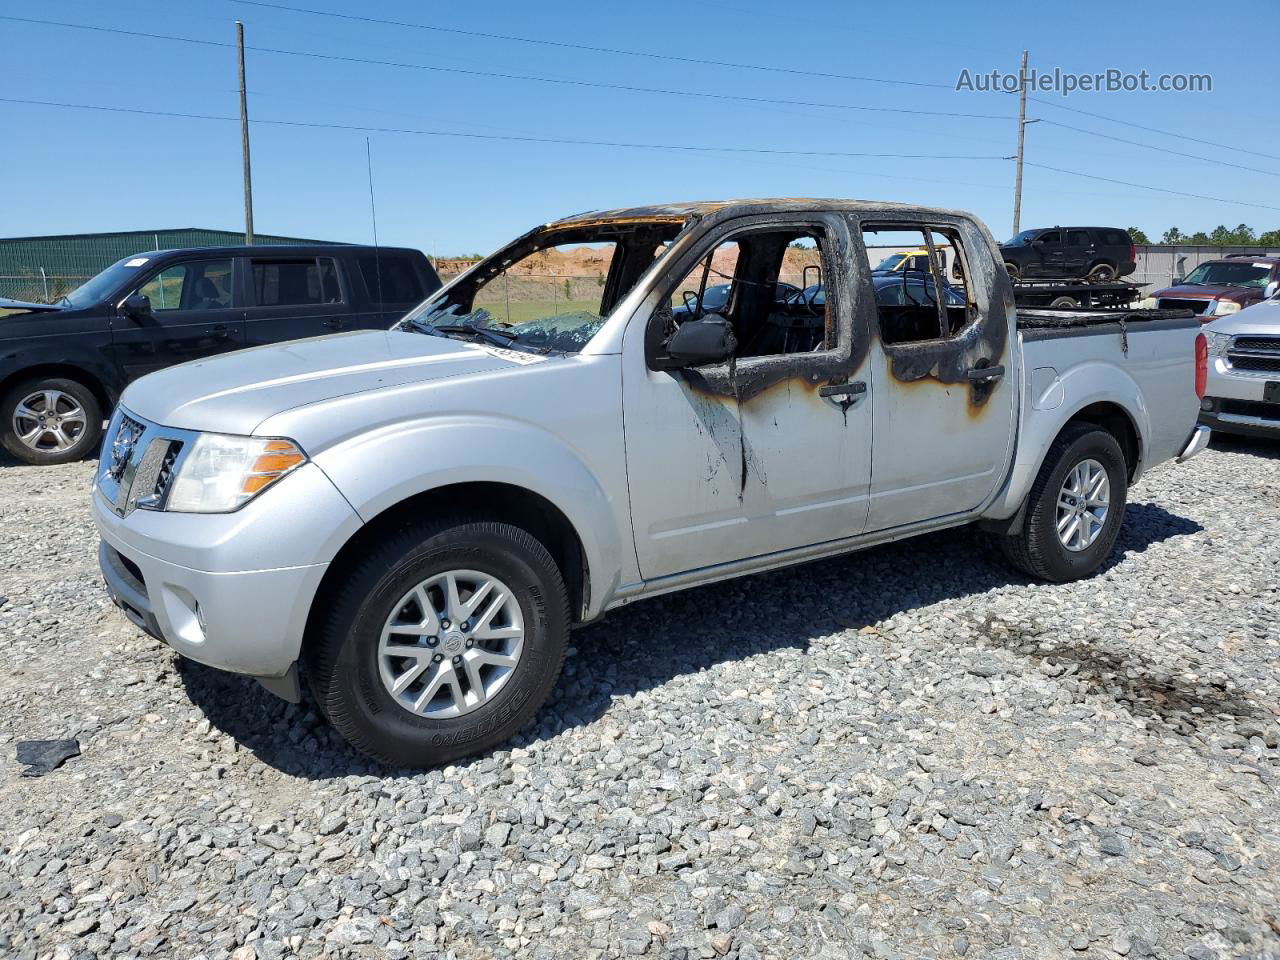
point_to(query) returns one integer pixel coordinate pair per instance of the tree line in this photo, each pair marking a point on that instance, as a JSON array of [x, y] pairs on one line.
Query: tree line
[[1220, 236]]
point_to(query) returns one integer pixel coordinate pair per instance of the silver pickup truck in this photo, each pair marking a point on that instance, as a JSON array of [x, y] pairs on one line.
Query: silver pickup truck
[[413, 520]]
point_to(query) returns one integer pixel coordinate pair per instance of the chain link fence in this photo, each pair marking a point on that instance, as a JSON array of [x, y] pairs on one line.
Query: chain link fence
[[39, 288]]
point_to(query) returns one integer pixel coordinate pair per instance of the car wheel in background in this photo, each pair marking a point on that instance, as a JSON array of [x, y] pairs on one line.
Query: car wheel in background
[[1064, 303], [443, 642], [1075, 507], [1013, 270], [50, 420]]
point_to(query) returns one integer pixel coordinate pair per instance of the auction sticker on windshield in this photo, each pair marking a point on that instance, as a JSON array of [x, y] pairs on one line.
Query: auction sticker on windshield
[[136, 262]]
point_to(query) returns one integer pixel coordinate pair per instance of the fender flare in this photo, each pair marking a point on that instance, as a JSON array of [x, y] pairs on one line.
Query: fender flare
[[1085, 384], [15, 365], [378, 470]]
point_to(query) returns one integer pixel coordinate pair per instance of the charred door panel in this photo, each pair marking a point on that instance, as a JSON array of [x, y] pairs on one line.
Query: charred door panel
[[943, 428], [730, 461]]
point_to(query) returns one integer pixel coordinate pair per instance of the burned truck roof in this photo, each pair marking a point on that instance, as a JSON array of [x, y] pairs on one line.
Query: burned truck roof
[[680, 212]]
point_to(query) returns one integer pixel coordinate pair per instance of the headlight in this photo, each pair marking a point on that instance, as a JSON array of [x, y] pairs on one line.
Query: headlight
[[222, 473], [1218, 343], [1225, 306]]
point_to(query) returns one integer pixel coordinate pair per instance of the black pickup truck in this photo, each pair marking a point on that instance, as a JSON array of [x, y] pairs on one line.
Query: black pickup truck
[[63, 365]]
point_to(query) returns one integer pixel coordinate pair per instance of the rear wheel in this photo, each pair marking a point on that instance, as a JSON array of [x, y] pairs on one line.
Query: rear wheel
[[1064, 302], [1075, 507], [443, 642], [1102, 271], [1013, 270], [50, 420]]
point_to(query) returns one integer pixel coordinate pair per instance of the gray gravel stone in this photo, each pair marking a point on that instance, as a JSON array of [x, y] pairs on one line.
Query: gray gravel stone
[[909, 752]]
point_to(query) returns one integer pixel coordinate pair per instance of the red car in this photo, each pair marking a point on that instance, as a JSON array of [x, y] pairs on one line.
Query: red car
[[1218, 287]]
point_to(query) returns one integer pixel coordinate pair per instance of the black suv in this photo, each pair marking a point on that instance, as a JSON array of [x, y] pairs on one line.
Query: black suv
[[1095, 253], [63, 365]]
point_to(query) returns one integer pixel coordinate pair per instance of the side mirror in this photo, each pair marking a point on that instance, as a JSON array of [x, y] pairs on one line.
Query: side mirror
[[697, 342], [137, 306], [1177, 279], [1271, 290]]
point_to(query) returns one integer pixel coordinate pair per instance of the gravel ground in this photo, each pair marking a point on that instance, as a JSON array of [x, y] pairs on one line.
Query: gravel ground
[[907, 753]]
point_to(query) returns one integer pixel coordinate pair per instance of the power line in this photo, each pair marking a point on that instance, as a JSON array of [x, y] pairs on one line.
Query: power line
[[1167, 133], [1152, 146], [494, 136], [616, 51], [528, 78], [1143, 186]]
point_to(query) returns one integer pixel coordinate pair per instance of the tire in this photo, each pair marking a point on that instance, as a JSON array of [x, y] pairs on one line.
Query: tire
[[1101, 272], [1037, 549], [1014, 271], [1064, 302], [73, 427], [350, 674]]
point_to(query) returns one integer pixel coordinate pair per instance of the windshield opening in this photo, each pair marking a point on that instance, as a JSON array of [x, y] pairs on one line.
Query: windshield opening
[[1229, 274], [104, 284], [548, 292], [1021, 239]]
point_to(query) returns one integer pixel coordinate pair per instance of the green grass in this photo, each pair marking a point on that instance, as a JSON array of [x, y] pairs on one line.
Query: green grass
[[522, 311]]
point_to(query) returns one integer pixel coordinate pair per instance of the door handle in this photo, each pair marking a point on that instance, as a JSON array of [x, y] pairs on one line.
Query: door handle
[[333, 323], [854, 389], [981, 374], [220, 332]]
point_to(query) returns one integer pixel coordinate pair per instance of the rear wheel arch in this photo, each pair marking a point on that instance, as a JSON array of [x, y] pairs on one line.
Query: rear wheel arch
[[1117, 421], [491, 501]]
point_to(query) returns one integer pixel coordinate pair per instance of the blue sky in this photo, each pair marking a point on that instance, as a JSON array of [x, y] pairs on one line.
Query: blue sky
[[70, 171]]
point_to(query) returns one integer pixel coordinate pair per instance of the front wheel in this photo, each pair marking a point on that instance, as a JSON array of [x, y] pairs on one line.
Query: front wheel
[[1101, 272], [1014, 271], [442, 643], [50, 420], [1075, 507]]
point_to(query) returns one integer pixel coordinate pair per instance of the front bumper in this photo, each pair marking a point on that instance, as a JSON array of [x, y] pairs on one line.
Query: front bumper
[[1238, 401], [1248, 419], [229, 590]]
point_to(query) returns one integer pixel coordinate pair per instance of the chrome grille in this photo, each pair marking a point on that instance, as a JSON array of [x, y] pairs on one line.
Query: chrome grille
[[138, 462], [165, 476], [1259, 353]]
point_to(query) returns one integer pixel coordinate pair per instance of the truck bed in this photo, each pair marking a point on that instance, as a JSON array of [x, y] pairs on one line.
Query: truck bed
[[1042, 324]]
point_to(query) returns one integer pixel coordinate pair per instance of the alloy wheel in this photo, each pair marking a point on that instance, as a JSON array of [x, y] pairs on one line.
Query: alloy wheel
[[1083, 503], [49, 420], [451, 643]]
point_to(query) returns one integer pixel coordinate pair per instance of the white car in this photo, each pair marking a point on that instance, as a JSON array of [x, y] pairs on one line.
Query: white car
[[1243, 391], [414, 518]]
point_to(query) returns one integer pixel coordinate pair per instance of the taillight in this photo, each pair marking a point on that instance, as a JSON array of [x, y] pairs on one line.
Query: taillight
[[1202, 364], [1133, 253]]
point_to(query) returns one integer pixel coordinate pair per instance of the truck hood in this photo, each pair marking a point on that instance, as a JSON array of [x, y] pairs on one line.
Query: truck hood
[[22, 305], [1261, 318], [1202, 292], [235, 392]]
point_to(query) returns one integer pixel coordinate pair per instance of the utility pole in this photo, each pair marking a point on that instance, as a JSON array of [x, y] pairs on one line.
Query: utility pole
[[244, 140], [1022, 132]]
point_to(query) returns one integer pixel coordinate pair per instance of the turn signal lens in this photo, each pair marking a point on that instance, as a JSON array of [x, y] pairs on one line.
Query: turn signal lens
[[222, 473]]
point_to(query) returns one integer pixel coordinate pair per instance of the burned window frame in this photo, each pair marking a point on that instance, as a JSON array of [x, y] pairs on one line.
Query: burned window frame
[[745, 377], [949, 232], [982, 343]]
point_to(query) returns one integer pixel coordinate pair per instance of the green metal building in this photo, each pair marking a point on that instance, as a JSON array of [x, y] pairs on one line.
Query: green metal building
[[41, 269]]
